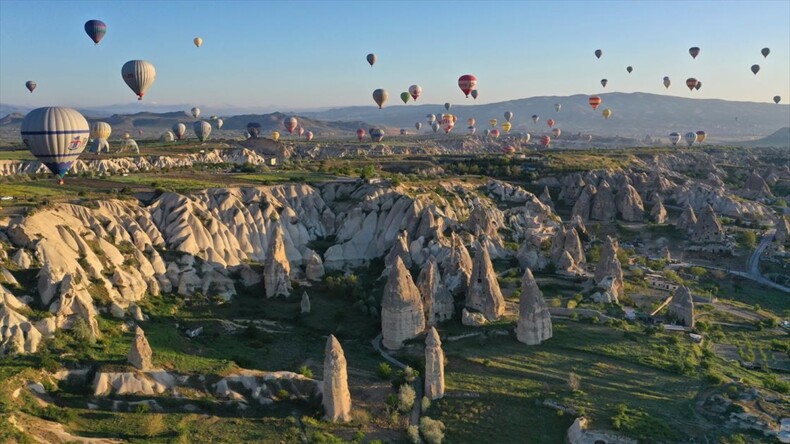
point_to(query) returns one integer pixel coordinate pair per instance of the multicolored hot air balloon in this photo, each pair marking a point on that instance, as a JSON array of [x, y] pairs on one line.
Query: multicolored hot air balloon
[[179, 129], [403, 131], [694, 51], [139, 75], [594, 102], [701, 136], [219, 122], [510, 149], [629, 69], [254, 129], [435, 126], [275, 136], [447, 106], [550, 123], [95, 30], [127, 135], [557, 107], [691, 137], [545, 141], [360, 134], [290, 124], [418, 125], [607, 113], [556, 132], [604, 82], [507, 126], [197, 41], [493, 122], [508, 115], [195, 112], [755, 69], [308, 136], [448, 123], [667, 82], [380, 96], [405, 96], [598, 53], [467, 83], [202, 130], [535, 118], [674, 138], [777, 99], [56, 136], [691, 82], [371, 58], [765, 52], [431, 118], [474, 94], [30, 85], [415, 91], [494, 133], [376, 134], [300, 131]]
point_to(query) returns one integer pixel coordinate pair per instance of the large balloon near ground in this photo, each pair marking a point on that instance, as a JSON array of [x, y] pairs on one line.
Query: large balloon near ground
[[360, 134], [290, 124], [545, 141], [507, 126], [300, 131], [197, 41], [755, 69], [308, 136], [694, 51], [674, 138], [376, 134], [594, 102], [202, 130], [765, 52], [415, 91], [371, 58], [435, 126], [56, 136], [179, 129], [96, 29], [467, 83], [494, 133], [101, 130], [701, 136], [691, 137], [598, 53], [30, 85], [380, 96], [139, 75]]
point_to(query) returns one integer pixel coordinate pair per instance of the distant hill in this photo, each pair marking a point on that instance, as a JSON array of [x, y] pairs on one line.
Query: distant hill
[[780, 139], [634, 115]]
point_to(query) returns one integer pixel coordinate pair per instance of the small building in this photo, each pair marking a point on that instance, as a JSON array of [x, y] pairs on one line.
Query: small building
[[660, 282]]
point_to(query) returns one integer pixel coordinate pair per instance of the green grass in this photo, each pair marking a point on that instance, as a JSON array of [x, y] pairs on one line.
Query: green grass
[[16, 154]]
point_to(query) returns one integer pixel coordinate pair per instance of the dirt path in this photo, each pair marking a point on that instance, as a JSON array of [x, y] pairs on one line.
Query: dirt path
[[49, 432]]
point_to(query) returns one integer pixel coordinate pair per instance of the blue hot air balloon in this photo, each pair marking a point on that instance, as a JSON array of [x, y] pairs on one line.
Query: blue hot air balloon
[[95, 30]]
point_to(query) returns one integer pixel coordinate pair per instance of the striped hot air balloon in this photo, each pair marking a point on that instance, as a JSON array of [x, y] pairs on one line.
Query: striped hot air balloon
[[30, 85], [96, 29], [594, 102], [179, 129], [167, 137], [290, 124], [467, 83], [56, 136], [101, 130], [415, 91], [545, 141], [691, 137], [202, 130], [376, 134], [139, 75], [674, 138], [308, 136], [701, 136]]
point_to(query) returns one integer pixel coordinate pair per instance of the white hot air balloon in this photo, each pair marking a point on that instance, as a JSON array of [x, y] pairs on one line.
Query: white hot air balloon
[[527, 137], [195, 112], [179, 129], [139, 75], [167, 137], [56, 136], [219, 122], [100, 131], [202, 130], [691, 137]]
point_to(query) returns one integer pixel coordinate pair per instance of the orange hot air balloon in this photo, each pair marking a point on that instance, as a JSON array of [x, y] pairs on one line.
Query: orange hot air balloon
[[691, 82], [701, 136], [550, 123], [510, 149], [360, 134], [467, 83], [594, 102], [545, 141]]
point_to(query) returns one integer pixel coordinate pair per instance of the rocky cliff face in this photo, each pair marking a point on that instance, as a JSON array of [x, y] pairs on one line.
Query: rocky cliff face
[[534, 320], [434, 366], [681, 307], [336, 396], [609, 273], [277, 269], [436, 299], [484, 295], [402, 314], [140, 354]]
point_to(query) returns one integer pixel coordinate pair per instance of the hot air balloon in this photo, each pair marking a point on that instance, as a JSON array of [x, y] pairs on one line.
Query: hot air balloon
[[179, 129], [535, 118], [698, 85], [435, 126], [594, 101], [290, 124], [219, 122], [195, 112], [777, 99], [701, 136], [694, 51], [300, 131], [507, 126], [254, 129], [629, 69], [508, 115], [213, 118], [197, 41], [492, 122], [454, 117], [691, 137], [360, 134], [415, 91], [167, 137], [447, 124], [474, 94], [56, 136], [376, 134], [140, 133], [447, 106], [418, 125], [95, 30], [607, 113], [550, 123], [667, 82], [403, 131], [556, 132], [487, 132], [100, 132], [380, 96], [604, 82], [127, 135], [467, 83], [139, 75], [598, 53], [527, 137], [405, 96], [589, 137], [755, 69], [471, 129], [510, 149], [470, 121], [30, 85], [545, 141], [275, 136], [691, 82], [371, 58], [202, 130], [557, 107], [494, 133], [308, 136], [431, 118], [674, 138], [765, 52]]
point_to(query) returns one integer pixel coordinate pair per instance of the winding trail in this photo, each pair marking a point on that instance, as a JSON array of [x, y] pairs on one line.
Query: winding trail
[[414, 417]]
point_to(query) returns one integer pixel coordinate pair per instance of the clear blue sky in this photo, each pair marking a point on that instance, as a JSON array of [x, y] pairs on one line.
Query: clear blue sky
[[298, 55]]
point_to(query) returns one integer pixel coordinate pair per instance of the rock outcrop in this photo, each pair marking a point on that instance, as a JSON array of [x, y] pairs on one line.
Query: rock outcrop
[[583, 204], [609, 273], [402, 314], [630, 205], [140, 354], [755, 187], [434, 365], [534, 320], [436, 300], [681, 307], [400, 249], [658, 214], [314, 270], [457, 267], [304, 304], [484, 294], [472, 318], [782, 230], [687, 219], [336, 396], [603, 205], [17, 334], [277, 269], [545, 197], [708, 227]]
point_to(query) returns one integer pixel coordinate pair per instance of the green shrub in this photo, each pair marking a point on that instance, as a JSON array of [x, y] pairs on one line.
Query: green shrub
[[384, 371], [406, 397]]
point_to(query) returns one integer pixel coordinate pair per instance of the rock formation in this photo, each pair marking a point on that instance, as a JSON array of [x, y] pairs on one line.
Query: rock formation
[[400, 249], [472, 318], [534, 320], [582, 206], [687, 219], [545, 197], [434, 365], [140, 354], [337, 398], [304, 305], [609, 273], [681, 307], [314, 270], [436, 300], [402, 315], [603, 205], [17, 333], [755, 187], [567, 253], [277, 269], [457, 267], [782, 230], [658, 214], [484, 294], [708, 227], [629, 204]]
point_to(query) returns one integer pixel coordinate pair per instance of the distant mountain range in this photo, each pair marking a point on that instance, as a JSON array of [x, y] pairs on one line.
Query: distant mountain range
[[634, 115]]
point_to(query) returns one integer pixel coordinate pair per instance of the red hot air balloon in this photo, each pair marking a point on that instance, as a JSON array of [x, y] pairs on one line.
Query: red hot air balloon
[[550, 123], [594, 102], [545, 141], [467, 83], [290, 124], [360, 134], [494, 133], [300, 131], [691, 82]]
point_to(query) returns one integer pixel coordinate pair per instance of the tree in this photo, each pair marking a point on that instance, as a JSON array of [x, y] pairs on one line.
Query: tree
[[574, 381], [747, 239], [406, 396], [432, 430]]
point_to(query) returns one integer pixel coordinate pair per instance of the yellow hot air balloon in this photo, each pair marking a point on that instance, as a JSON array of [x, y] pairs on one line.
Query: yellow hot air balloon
[[506, 126], [198, 41], [101, 130], [492, 122], [607, 113], [454, 117], [275, 136]]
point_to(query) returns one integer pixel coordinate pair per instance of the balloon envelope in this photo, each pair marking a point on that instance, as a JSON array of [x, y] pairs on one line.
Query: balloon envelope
[[380, 96], [56, 136], [195, 112], [492, 122], [557, 107], [594, 102], [755, 69], [179, 129], [290, 124], [550, 123], [101, 130], [447, 106], [467, 83], [96, 29], [535, 118], [691, 82], [607, 113], [765, 52], [545, 141], [418, 125], [308, 136], [698, 85], [431, 118], [219, 122], [202, 130], [371, 58], [604, 82], [275, 136], [402, 131], [197, 41], [474, 94], [674, 138], [470, 121], [30, 85], [629, 69], [494, 133], [300, 131], [691, 137], [507, 126], [694, 51], [701, 136], [435, 126], [598, 53], [667, 82], [508, 115], [405, 96], [254, 129], [139, 75], [415, 91], [556, 132], [777, 99], [376, 134], [360, 134]]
